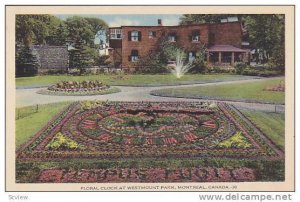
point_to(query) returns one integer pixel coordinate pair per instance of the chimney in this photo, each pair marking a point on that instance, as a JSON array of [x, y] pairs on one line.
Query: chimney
[[159, 22]]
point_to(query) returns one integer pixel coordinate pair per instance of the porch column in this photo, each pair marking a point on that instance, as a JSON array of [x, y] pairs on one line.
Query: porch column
[[232, 58], [220, 57]]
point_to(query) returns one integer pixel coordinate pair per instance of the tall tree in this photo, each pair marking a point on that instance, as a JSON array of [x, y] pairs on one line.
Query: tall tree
[[80, 57], [79, 29], [26, 62], [35, 29], [59, 35]]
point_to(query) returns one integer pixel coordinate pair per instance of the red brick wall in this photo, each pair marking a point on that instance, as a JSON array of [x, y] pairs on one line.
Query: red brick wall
[[225, 33]]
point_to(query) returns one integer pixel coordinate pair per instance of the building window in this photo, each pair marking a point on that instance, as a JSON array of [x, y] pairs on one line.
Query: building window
[[191, 56], [134, 57], [134, 36], [195, 36], [172, 37], [115, 34], [152, 35]]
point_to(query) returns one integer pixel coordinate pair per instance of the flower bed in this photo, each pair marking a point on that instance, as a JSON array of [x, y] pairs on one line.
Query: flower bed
[[197, 174], [78, 88], [141, 130]]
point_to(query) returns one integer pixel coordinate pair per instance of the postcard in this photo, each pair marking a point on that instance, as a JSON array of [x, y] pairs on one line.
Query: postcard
[[150, 98]]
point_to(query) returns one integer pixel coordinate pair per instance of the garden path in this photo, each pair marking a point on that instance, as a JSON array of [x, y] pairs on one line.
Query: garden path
[[27, 97]]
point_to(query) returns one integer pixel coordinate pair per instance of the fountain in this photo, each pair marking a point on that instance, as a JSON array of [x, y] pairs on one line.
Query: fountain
[[180, 69]]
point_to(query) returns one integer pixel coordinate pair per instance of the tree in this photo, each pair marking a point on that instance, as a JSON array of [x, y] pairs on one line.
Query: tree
[[26, 62], [80, 57], [35, 29], [59, 35], [266, 35], [199, 64], [99, 26], [79, 29], [157, 60], [205, 18]]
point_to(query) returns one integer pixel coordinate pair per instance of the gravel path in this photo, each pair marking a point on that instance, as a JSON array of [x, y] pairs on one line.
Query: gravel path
[[27, 97]]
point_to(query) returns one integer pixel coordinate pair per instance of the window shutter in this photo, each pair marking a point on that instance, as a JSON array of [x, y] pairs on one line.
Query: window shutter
[[139, 36], [176, 37], [154, 34], [129, 36], [190, 37], [129, 58]]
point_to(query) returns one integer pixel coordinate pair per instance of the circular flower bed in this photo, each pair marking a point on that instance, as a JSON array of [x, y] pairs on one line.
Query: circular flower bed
[[78, 88]]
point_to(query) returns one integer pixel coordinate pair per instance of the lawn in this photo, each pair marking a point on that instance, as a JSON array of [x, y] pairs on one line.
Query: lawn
[[250, 91], [272, 124], [133, 79], [30, 119]]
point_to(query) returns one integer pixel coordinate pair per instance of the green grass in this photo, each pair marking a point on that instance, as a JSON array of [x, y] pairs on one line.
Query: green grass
[[29, 121], [133, 79], [272, 124], [252, 91]]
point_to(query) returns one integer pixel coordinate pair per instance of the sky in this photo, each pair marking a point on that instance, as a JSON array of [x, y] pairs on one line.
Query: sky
[[129, 19]]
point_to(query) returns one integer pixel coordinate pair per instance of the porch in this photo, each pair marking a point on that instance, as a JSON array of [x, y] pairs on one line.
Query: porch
[[226, 55]]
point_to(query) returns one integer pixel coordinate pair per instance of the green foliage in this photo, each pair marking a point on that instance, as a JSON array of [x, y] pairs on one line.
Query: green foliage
[[157, 60], [235, 141], [80, 56], [59, 35], [36, 29], [26, 62], [199, 64], [266, 35], [79, 30], [61, 141], [239, 67]]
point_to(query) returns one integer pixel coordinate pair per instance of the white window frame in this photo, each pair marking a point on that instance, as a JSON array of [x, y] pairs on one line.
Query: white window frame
[[115, 34], [195, 38], [172, 38], [150, 34], [134, 58], [134, 36]]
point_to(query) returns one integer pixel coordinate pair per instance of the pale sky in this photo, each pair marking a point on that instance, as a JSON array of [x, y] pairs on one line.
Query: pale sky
[[125, 19]]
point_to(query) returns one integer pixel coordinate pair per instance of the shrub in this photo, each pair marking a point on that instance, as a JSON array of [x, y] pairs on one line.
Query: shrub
[[239, 67]]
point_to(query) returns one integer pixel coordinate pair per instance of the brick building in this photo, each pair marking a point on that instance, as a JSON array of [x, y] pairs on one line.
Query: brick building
[[223, 40]]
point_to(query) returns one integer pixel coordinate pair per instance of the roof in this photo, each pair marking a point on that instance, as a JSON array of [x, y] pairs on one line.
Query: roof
[[170, 26], [225, 48]]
